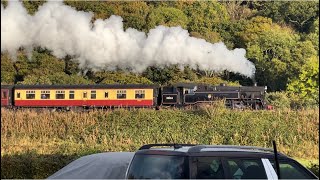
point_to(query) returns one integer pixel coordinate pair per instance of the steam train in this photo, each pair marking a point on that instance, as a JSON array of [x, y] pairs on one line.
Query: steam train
[[134, 95]]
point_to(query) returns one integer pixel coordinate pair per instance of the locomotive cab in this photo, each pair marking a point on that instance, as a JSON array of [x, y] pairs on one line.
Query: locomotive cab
[[175, 95]]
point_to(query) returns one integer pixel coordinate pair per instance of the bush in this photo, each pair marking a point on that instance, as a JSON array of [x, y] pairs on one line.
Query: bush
[[284, 100], [278, 99]]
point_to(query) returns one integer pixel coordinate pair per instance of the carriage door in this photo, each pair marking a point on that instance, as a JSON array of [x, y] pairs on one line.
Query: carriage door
[[84, 97], [4, 97]]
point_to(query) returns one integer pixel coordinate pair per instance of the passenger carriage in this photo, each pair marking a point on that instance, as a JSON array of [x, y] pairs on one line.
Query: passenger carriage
[[85, 95]]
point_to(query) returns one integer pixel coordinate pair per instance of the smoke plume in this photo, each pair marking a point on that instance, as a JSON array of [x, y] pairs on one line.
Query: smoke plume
[[105, 44]]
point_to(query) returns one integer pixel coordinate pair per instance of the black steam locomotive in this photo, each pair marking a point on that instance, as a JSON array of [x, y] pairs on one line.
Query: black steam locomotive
[[135, 95], [235, 97]]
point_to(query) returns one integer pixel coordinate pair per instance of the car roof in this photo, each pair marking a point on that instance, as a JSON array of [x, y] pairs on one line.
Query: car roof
[[210, 150]]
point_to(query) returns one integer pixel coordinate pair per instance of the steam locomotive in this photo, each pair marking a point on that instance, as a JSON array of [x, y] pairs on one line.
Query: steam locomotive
[[134, 95]]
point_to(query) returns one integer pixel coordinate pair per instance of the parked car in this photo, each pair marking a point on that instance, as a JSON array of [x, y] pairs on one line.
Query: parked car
[[110, 165], [184, 161]]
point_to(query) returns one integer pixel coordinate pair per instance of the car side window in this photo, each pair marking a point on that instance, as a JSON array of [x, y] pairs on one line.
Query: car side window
[[290, 170], [209, 168], [245, 169]]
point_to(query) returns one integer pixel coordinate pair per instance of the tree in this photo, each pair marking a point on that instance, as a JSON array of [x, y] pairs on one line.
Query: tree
[[121, 78], [134, 14], [159, 75], [35, 79], [170, 74], [55, 78], [237, 10], [216, 81], [206, 16], [276, 51], [32, 6], [71, 66], [313, 35], [299, 14], [8, 71], [166, 16], [307, 83], [101, 10]]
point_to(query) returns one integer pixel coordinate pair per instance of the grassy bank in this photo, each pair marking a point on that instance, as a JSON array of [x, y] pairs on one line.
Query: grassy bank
[[55, 138]]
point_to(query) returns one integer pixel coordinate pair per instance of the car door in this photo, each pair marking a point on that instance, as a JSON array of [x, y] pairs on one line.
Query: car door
[[4, 97], [248, 168], [290, 169], [206, 167]]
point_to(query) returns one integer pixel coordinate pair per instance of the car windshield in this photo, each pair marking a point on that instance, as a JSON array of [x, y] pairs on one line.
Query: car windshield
[[158, 167]]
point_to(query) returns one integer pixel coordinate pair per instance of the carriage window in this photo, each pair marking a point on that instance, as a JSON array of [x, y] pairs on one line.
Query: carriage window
[[30, 94], [93, 94], [84, 94], [18, 95], [71, 94], [121, 94], [4, 95], [139, 94], [45, 94], [106, 94], [60, 94]]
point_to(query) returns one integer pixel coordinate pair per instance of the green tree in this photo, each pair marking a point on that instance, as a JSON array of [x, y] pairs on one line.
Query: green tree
[[212, 21], [134, 14], [307, 83], [101, 10], [119, 77], [8, 71], [55, 78], [35, 79], [166, 16], [277, 52], [206, 16], [62, 78], [71, 66], [32, 6], [216, 81], [313, 35], [299, 14]]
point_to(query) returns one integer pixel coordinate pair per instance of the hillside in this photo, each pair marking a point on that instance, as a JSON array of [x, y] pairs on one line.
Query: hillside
[[281, 39]]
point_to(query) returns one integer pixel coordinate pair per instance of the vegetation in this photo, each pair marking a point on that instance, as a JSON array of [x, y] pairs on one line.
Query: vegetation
[[281, 39], [36, 144]]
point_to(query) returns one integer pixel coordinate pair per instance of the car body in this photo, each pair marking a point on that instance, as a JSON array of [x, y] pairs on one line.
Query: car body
[[183, 161], [109, 165]]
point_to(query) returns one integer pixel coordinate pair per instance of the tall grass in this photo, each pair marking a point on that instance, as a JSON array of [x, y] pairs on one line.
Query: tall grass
[[295, 131], [80, 133]]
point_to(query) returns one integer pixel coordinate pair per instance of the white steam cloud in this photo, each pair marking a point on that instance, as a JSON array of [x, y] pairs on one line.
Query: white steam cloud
[[105, 44]]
